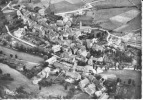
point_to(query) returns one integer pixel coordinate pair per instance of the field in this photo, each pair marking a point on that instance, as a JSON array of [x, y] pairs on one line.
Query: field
[[21, 55], [19, 80], [129, 74]]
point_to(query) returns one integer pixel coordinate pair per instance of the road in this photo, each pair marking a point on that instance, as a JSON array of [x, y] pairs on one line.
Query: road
[[30, 44]]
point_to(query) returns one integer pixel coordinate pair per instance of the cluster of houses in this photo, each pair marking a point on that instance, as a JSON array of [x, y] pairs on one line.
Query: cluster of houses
[[76, 58]]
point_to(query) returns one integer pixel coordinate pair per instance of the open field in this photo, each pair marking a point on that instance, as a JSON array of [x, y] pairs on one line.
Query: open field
[[19, 80], [21, 55], [54, 91]]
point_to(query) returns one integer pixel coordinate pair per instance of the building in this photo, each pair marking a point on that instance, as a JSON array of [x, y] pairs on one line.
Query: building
[[19, 33], [85, 28], [43, 74], [61, 66], [84, 83], [89, 68], [73, 75], [90, 89]]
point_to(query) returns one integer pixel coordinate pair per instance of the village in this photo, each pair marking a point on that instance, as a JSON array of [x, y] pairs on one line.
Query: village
[[68, 55]]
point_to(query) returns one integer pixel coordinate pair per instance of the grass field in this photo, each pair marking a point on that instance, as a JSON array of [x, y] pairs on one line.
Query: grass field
[[55, 90], [19, 80], [21, 55]]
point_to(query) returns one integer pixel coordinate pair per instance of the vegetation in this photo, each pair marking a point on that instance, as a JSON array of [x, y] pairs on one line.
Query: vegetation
[[2, 93], [21, 94], [45, 83], [70, 93], [39, 51], [6, 77], [33, 72], [3, 19], [0, 71]]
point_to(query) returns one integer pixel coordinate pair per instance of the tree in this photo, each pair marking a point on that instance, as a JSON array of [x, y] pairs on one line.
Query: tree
[[45, 57], [0, 71], [129, 81], [20, 90], [22, 48], [40, 87], [40, 49], [1, 52], [2, 2], [16, 56], [66, 85], [8, 38], [7, 77], [4, 43], [29, 50], [36, 9], [11, 55], [45, 83], [133, 83], [2, 92], [24, 68], [33, 50], [16, 45], [45, 64]]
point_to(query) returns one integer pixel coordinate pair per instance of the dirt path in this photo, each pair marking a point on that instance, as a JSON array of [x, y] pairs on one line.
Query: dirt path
[[19, 80]]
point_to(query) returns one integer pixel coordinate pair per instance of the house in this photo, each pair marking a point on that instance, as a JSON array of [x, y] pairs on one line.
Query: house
[[104, 96], [109, 76], [90, 89], [51, 60], [43, 74], [73, 75], [98, 93], [61, 66], [84, 83], [91, 77], [97, 84], [80, 68], [83, 52], [89, 68], [26, 13], [56, 48], [69, 80]]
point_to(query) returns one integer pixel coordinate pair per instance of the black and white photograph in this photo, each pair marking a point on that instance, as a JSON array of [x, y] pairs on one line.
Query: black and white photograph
[[70, 49]]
